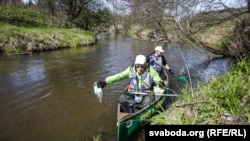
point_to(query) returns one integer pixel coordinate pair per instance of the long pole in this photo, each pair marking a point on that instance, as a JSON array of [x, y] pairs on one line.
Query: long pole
[[144, 93]]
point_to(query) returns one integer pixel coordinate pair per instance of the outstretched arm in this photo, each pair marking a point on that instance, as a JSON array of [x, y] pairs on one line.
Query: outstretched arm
[[118, 77], [114, 78]]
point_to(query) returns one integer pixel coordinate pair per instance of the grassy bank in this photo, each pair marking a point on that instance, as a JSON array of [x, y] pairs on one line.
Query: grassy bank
[[15, 38], [222, 100], [24, 30]]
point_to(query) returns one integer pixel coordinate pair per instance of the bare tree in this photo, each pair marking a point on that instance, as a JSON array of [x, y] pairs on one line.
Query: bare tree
[[70, 9], [184, 19], [115, 8], [11, 2], [248, 5], [195, 16], [152, 14]]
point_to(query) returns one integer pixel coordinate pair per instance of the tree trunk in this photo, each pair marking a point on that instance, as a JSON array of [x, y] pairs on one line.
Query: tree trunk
[[248, 5]]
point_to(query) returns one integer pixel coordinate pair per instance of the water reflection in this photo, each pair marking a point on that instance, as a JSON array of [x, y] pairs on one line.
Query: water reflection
[[33, 73]]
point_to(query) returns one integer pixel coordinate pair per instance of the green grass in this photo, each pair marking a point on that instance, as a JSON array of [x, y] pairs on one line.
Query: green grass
[[60, 37], [13, 51], [20, 16], [21, 27], [97, 138], [222, 100]]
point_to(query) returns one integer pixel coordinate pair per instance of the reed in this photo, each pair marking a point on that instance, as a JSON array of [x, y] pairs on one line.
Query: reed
[[97, 138]]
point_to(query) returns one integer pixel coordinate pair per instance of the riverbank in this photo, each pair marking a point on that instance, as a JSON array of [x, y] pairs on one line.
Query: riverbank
[[19, 40], [24, 30], [222, 100]]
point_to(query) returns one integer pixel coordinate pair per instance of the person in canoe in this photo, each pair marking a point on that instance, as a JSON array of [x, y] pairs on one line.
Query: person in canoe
[[158, 61], [142, 78]]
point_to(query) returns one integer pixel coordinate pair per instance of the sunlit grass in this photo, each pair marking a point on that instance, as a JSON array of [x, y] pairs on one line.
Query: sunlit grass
[[222, 100], [47, 36], [20, 26]]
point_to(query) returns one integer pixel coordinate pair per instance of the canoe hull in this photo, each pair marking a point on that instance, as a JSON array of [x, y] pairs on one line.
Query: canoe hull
[[129, 123]]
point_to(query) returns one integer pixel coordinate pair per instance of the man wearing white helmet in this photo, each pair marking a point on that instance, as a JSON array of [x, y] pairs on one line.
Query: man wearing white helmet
[[141, 77], [158, 61]]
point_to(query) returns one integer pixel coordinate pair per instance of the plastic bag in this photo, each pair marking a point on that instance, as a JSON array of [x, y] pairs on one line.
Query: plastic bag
[[98, 92]]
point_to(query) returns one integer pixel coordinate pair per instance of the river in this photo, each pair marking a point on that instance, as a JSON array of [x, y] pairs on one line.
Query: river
[[48, 96]]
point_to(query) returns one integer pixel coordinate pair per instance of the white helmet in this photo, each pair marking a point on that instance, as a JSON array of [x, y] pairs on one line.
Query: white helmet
[[159, 48], [140, 59]]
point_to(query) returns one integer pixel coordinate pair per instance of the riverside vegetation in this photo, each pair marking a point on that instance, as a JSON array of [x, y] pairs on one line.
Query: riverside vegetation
[[24, 31], [222, 100]]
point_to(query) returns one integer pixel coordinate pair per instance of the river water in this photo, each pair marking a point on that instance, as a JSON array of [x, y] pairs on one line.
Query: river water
[[48, 96]]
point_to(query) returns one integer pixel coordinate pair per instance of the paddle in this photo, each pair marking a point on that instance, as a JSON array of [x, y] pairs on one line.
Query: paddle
[[179, 77], [144, 93]]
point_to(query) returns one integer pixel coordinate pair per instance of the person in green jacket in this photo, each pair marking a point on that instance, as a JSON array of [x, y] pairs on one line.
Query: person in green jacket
[[142, 78]]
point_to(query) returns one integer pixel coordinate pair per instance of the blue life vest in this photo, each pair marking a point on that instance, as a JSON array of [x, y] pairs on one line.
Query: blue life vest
[[152, 61]]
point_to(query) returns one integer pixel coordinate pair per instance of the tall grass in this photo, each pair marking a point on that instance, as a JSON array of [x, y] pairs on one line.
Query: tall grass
[[222, 100]]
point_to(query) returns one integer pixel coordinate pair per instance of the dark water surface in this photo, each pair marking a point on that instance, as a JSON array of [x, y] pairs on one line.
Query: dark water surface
[[48, 96]]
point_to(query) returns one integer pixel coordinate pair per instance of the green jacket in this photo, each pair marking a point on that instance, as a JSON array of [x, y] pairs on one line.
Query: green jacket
[[126, 74]]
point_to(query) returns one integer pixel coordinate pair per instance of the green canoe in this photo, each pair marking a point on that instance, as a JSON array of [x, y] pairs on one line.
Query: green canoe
[[129, 123]]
